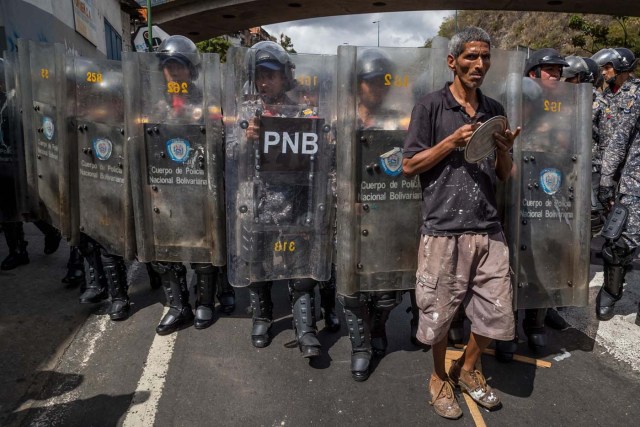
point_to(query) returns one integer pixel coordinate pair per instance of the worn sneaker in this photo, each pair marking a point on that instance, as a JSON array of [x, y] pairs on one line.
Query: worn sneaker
[[474, 384], [443, 399]]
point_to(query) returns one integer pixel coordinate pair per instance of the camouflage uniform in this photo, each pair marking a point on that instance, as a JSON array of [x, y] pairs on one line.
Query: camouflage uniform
[[599, 120], [621, 167], [622, 156]]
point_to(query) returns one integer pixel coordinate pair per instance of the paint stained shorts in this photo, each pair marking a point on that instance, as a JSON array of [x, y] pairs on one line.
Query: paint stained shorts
[[469, 269]]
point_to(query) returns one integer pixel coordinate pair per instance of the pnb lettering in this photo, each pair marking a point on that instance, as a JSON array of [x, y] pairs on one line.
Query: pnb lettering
[[300, 143]]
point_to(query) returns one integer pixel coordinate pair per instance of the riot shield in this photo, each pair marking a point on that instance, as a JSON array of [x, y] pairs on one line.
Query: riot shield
[[279, 200], [43, 87], [549, 232], [104, 198], [379, 210], [13, 185], [174, 144]]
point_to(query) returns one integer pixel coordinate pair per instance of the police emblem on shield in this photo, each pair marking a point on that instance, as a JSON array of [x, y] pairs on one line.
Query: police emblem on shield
[[103, 148], [550, 180], [178, 149], [391, 162], [48, 128]]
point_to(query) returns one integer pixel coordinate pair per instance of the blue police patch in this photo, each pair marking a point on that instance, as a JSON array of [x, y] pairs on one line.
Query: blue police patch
[[48, 128], [391, 162], [550, 180], [103, 148], [178, 149]]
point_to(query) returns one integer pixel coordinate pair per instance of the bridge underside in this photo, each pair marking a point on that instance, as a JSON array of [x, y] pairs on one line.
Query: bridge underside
[[203, 19]]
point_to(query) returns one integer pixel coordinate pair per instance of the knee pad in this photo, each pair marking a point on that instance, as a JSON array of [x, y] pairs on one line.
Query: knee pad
[[204, 268], [386, 300], [302, 285], [351, 301], [617, 253]]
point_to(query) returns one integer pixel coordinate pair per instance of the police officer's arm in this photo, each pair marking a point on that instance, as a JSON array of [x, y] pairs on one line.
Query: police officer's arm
[[617, 145], [427, 156]]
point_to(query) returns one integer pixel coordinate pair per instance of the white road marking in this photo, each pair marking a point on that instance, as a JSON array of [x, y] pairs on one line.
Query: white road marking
[[619, 336], [144, 405]]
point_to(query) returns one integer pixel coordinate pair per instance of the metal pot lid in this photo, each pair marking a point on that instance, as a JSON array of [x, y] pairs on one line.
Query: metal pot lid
[[482, 142]]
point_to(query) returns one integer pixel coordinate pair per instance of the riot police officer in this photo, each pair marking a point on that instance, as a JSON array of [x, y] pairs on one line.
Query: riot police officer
[[586, 70], [367, 312], [178, 65], [619, 174], [543, 64], [274, 76]]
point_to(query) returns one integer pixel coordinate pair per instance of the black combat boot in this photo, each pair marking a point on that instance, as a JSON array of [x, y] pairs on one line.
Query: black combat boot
[[262, 308], [116, 274], [75, 269], [205, 290], [226, 293], [304, 316], [154, 278], [610, 292], [97, 289], [356, 316], [174, 282], [14, 234], [328, 304], [533, 326]]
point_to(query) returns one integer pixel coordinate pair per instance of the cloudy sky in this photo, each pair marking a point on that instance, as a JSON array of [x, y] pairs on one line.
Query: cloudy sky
[[323, 35]]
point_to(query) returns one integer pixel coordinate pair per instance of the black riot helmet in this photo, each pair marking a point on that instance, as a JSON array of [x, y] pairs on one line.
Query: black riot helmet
[[373, 63], [272, 56], [594, 70], [546, 56], [620, 58], [578, 67], [181, 50]]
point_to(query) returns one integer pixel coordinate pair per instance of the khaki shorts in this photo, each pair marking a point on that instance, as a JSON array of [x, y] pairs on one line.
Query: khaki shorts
[[469, 269]]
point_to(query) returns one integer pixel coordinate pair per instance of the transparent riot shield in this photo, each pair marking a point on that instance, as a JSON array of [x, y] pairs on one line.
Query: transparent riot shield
[[549, 232], [43, 87], [13, 175], [104, 197], [278, 171], [173, 124], [379, 210]]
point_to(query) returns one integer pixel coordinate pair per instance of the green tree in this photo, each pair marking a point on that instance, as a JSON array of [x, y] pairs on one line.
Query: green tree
[[286, 43], [219, 45]]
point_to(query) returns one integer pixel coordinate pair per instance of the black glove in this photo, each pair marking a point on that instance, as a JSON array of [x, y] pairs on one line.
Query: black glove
[[606, 195]]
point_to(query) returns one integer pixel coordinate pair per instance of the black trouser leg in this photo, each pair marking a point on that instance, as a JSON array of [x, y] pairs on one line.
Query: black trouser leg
[[533, 326], [75, 269], [380, 306], [18, 255], [226, 293], [96, 289], [328, 304], [52, 236]]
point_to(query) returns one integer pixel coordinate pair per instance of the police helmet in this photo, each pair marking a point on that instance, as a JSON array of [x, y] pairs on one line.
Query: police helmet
[[579, 68], [594, 70], [373, 63], [181, 50], [272, 56], [620, 58], [546, 56]]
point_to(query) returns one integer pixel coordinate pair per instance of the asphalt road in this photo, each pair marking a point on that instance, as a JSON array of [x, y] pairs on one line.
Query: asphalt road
[[65, 364]]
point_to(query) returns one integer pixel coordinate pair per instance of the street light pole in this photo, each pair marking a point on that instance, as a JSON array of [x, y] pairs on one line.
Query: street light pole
[[378, 22]]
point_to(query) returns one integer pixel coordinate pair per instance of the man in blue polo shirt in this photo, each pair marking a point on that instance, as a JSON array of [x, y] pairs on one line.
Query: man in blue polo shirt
[[463, 257]]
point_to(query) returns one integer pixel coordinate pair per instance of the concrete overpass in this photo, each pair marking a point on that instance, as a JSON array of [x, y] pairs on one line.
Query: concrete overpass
[[202, 19]]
